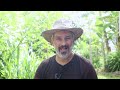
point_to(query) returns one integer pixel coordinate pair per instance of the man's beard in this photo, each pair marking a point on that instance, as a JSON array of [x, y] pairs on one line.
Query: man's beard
[[63, 51]]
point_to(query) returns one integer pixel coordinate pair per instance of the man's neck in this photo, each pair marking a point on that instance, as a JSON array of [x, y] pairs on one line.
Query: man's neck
[[62, 61]]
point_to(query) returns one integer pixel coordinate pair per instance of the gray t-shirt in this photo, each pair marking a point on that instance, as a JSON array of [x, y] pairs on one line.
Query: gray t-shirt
[[77, 68]]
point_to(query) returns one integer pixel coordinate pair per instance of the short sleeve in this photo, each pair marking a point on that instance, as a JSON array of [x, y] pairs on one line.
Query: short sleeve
[[91, 73]]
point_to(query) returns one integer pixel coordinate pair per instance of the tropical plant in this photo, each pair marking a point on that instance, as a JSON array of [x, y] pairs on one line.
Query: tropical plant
[[113, 62]]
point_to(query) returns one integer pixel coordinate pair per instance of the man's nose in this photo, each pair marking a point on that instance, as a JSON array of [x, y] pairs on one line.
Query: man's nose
[[63, 42]]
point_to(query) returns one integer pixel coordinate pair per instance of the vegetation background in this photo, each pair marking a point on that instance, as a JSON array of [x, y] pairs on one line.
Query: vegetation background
[[22, 48]]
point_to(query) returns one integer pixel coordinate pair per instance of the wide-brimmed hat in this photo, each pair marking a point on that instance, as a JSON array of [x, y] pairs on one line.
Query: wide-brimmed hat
[[62, 24]]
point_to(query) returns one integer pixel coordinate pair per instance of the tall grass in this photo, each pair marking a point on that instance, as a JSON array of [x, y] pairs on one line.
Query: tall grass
[[21, 65]]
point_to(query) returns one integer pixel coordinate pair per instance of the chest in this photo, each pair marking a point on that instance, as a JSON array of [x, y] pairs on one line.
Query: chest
[[69, 71]]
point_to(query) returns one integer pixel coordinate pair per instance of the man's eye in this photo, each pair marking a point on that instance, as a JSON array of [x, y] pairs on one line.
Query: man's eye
[[58, 39], [68, 38]]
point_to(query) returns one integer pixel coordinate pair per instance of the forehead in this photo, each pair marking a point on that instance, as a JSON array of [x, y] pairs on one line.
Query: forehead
[[61, 33]]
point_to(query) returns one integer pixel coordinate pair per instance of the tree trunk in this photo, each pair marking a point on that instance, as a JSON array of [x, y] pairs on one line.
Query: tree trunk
[[104, 57], [118, 38], [108, 49], [103, 44]]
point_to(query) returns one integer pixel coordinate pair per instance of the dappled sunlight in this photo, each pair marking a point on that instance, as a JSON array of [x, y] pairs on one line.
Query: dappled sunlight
[[22, 48]]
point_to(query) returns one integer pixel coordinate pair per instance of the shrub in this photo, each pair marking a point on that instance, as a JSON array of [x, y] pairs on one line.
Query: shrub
[[113, 62], [96, 63]]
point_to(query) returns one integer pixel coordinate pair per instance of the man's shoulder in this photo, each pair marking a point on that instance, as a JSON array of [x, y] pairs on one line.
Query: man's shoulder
[[84, 63], [82, 59], [46, 61]]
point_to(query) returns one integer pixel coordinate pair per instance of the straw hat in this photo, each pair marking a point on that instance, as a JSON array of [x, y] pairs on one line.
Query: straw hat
[[62, 24]]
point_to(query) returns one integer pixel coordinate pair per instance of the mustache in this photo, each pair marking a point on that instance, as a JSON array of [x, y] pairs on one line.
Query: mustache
[[63, 46]]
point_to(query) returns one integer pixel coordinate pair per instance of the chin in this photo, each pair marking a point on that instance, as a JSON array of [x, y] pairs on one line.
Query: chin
[[63, 56]]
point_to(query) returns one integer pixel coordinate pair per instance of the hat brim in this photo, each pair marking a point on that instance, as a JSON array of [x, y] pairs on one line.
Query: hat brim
[[48, 34]]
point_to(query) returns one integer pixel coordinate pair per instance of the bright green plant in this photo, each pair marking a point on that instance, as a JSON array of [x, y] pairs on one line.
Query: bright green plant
[[96, 62], [22, 48], [113, 62]]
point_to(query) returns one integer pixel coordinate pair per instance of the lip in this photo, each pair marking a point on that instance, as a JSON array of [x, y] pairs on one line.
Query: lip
[[63, 48]]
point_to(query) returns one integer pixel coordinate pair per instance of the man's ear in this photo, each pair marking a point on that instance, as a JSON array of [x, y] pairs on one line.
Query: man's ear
[[52, 41], [52, 44], [73, 42]]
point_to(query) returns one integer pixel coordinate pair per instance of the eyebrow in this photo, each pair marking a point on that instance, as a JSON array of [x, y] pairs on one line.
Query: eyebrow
[[71, 34], [61, 36]]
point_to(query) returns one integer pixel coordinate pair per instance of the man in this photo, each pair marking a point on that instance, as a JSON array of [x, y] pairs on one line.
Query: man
[[65, 64]]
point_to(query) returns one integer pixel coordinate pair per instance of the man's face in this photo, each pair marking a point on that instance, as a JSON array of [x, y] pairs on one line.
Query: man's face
[[63, 42]]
